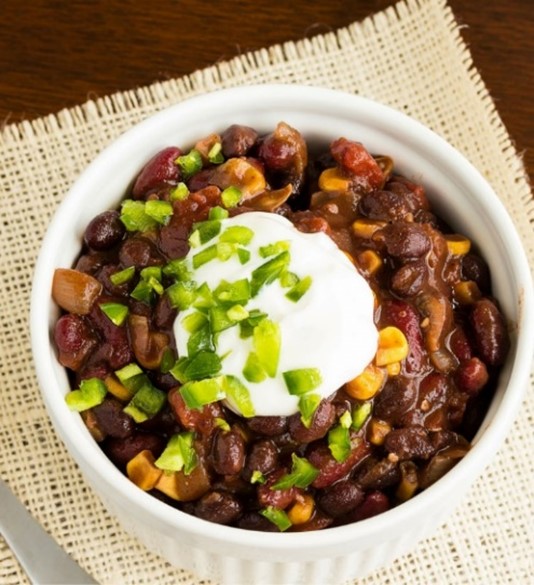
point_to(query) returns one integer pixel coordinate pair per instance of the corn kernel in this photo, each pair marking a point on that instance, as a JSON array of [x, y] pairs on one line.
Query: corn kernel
[[302, 510], [457, 245], [117, 389], [393, 369], [409, 482], [365, 228], [167, 484], [377, 431], [369, 261], [392, 346], [332, 180], [466, 292], [142, 471], [367, 384]]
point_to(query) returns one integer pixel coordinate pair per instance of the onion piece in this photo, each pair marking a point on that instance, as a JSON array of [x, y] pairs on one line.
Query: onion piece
[[148, 346], [75, 291]]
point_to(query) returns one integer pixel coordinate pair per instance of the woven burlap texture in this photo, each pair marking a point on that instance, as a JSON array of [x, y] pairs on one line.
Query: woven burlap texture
[[411, 57]]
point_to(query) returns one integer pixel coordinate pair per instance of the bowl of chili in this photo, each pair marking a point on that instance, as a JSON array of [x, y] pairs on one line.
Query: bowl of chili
[[130, 318]]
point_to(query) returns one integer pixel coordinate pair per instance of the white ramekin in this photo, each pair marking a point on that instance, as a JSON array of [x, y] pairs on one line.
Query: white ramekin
[[457, 191]]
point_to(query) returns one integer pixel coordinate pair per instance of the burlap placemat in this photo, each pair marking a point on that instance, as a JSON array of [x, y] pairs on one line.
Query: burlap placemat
[[411, 57]]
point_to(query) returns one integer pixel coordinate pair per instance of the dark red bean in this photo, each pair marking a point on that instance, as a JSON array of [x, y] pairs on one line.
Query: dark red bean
[[323, 419], [159, 169], [228, 452], [471, 376], [490, 333], [200, 180], [91, 263], [403, 240], [375, 503], [262, 457], [278, 155], [218, 507], [341, 498], [268, 426], [238, 140], [104, 231], [409, 443], [460, 344], [74, 340], [139, 252], [112, 420], [120, 451], [104, 276]]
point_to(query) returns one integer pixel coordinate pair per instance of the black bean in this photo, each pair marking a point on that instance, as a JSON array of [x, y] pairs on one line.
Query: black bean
[[228, 452], [120, 451], [341, 498], [263, 457], [139, 252], [218, 507], [395, 399], [112, 420], [403, 240]]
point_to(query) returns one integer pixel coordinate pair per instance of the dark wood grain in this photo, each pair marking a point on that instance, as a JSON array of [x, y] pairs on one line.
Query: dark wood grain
[[56, 54]]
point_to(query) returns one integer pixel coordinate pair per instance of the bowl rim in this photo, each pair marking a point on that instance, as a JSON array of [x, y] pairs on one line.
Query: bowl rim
[[174, 519]]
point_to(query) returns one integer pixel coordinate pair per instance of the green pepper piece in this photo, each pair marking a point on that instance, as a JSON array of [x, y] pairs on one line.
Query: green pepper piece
[[267, 341], [160, 211], [123, 276], [135, 218], [237, 234], [146, 403], [179, 193], [197, 394], [308, 404], [302, 380], [269, 271], [204, 256], [178, 454], [231, 196], [238, 395], [115, 312], [360, 414], [190, 163], [278, 517], [90, 394], [253, 370], [181, 294], [303, 473], [299, 289]]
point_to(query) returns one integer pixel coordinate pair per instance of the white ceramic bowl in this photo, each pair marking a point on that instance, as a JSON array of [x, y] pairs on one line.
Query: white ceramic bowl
[[457, 191]]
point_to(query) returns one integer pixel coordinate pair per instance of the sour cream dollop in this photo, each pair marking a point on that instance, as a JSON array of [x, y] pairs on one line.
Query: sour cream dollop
[[330, 328]]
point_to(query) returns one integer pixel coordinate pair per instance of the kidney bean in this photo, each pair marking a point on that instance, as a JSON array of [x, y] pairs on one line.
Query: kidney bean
[[112, 420], [228, 452], [104, 231], [475, 268], [219, 507], [341, 498], [268, 426], [74, 340], [460, 344], [161, 168], [331, 470], [120, 451], [237, 140], [396, 398], [323, 419], [403, 240], [406, 318], [140, 252], [375, 503], [489, 330], [471, 376], [277, 498], [262, 457], [409, 443]]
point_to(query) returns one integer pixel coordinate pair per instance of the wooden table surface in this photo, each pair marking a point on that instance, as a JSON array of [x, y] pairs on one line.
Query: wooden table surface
[[56, 54]]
